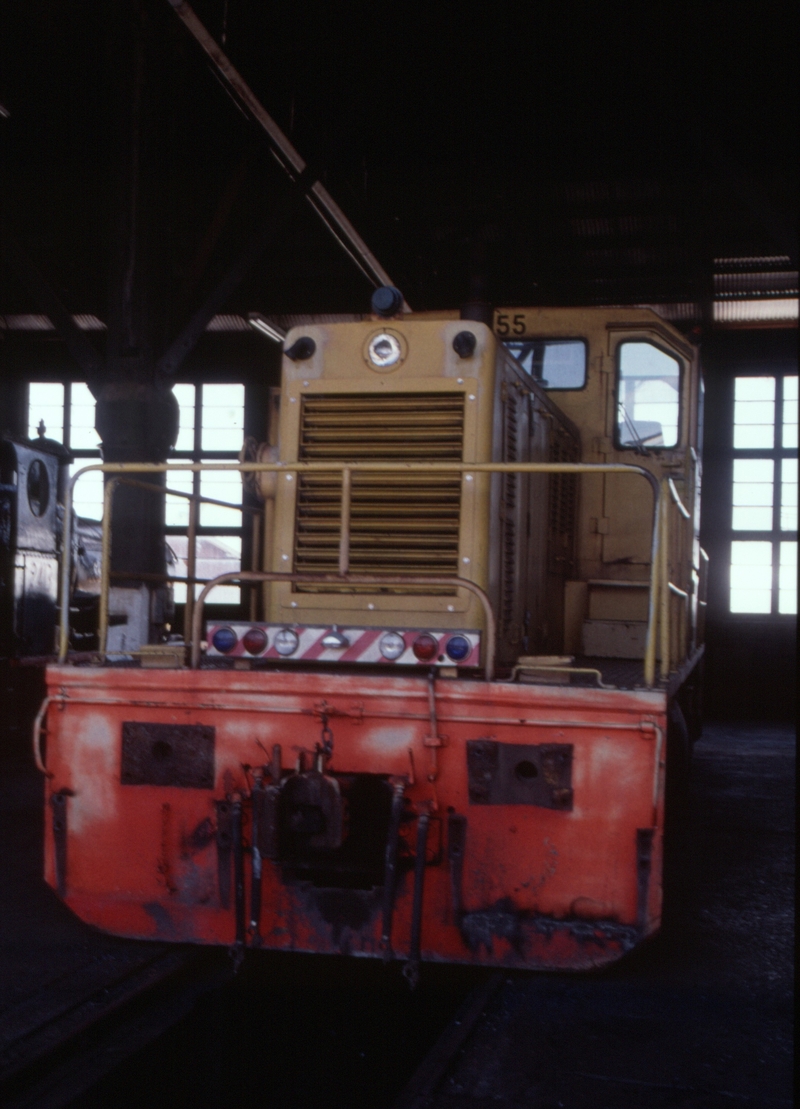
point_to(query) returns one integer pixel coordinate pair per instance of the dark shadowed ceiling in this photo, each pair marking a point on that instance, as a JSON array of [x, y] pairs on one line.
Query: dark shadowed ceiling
[[529, 153]]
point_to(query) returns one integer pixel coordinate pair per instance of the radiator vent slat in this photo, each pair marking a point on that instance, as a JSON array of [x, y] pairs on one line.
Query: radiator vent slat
[[402, 523]]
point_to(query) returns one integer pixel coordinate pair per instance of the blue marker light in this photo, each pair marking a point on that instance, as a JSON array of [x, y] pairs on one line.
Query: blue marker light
[[458, 647], [224, 640]]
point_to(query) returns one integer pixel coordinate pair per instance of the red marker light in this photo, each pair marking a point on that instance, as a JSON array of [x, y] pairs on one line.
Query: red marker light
[[255, 641], [425, 647]]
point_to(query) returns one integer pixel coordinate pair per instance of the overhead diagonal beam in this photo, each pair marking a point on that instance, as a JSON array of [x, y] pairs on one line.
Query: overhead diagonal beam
[[173, 357], [290, 160], [78, 345]]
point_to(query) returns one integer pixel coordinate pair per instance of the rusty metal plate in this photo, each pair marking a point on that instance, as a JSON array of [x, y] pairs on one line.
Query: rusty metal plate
[[167, 755], [520, 774]]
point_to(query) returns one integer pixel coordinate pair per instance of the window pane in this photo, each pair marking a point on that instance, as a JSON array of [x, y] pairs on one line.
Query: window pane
[[185, 396], [177, 511], [751, 577], [214, 555], [82, 434], [219, 555], [752, 494], [221, 485], [753, 471], [790, 411], [787, 582], [223, 417], [554, 363], [789, 494], [649, 384], [754, 388], [88, 492], [46, 402], [753, 436], [177, 546], [754, 413], [749, 518]]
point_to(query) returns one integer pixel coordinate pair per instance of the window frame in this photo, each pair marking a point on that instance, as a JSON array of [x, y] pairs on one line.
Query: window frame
[[682, 377], [196, 454], [505, 340], [774, 535]]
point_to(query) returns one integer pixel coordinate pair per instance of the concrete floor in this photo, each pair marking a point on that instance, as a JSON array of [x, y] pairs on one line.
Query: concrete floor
[[702, 1016], [49, 960]]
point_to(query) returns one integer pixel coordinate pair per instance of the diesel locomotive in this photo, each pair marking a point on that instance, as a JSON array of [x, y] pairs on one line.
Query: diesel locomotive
[[472, 658]]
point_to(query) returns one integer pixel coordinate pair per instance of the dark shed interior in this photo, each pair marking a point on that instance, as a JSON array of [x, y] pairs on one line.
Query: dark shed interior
[[518, 155]]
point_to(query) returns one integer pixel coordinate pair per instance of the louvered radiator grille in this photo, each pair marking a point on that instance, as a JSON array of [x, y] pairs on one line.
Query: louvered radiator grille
[[399, 523], [563, 497]]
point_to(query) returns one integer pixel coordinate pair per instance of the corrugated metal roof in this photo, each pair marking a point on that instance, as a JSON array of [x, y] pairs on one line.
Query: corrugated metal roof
[[755, 311], [742, 284], [33, 322]]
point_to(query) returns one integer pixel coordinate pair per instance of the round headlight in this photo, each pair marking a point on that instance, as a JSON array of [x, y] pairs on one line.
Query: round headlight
[[458, 647], [425, 647], [384, 350], [224, 640], [392, 645], [254, 640], [286, 641]]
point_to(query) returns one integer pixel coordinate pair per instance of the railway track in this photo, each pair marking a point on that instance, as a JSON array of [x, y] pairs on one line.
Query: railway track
[[70, 1036], [284, 1033], [427, 1078]]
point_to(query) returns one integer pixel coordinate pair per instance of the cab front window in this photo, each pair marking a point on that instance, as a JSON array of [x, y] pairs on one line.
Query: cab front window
[[554, 363], [648, 396]]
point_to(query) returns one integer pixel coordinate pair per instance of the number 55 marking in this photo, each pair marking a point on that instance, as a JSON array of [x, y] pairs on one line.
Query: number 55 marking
[[516, 326]]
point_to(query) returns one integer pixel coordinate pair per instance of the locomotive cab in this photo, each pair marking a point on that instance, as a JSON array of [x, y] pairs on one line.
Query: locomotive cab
[[632, 383]]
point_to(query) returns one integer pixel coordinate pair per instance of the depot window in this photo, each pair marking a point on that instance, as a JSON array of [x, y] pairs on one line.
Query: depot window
[[763, 519], [554, 363], [211, 430], [648, 396]]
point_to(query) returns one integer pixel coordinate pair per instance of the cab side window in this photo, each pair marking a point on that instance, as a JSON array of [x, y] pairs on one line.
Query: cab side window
[[648, 396], [554, 363]]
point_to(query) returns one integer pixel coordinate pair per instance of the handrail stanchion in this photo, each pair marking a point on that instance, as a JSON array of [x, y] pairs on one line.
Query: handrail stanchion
[[653, 598], [66, 565], [191, 563], [255, 556], [105, 567], [664, 593]]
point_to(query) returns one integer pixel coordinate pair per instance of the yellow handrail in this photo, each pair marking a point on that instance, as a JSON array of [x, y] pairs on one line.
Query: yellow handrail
[[663, 589], [658, 546], [684, 511]]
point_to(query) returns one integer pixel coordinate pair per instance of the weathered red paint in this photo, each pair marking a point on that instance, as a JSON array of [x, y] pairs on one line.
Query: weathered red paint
[[541, 887]]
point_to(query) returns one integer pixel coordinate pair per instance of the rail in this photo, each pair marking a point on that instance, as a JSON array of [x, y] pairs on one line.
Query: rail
[[658, 603], [681, 507], [675, 633]]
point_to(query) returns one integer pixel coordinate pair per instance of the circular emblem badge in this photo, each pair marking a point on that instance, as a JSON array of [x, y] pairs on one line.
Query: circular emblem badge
[[385, 351]]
